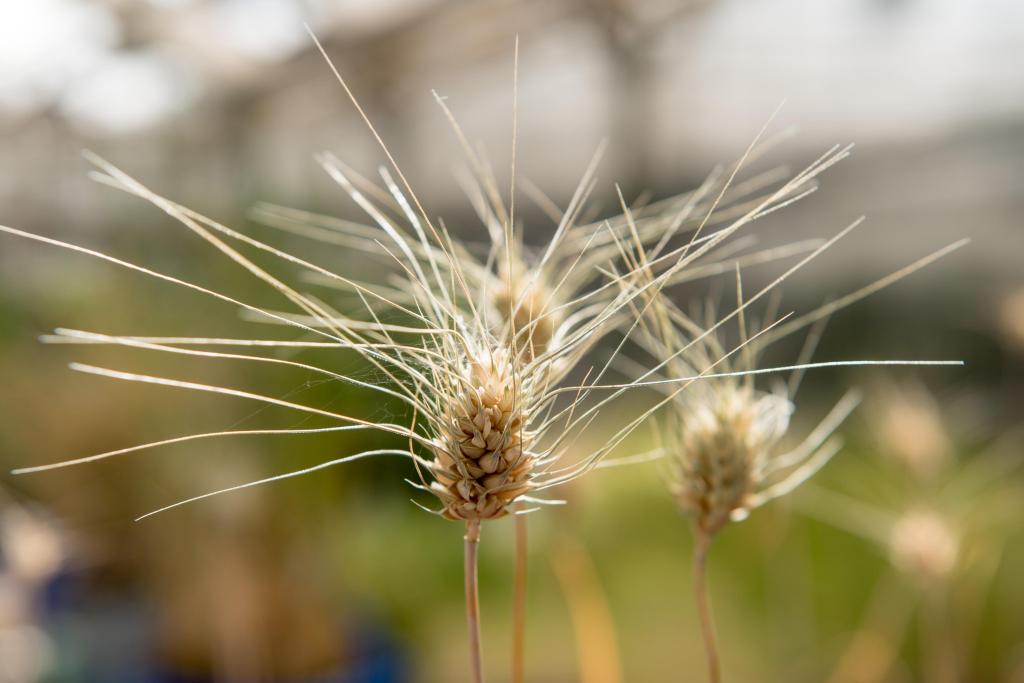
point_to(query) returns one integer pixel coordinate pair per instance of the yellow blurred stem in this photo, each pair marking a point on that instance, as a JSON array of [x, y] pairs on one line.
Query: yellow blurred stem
[[873, 648], [597, 648], [941, 663]]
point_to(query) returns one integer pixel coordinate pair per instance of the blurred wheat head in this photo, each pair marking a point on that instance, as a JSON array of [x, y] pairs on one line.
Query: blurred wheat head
[[724, 435], [942, 518]]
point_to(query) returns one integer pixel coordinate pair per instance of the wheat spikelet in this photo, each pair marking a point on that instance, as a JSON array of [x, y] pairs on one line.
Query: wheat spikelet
[[725, 433], [722, 449], [725, 449], [483, 458]]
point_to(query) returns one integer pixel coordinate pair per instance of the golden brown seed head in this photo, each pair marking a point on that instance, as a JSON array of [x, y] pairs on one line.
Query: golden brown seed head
[[724, 446], [481, 455]]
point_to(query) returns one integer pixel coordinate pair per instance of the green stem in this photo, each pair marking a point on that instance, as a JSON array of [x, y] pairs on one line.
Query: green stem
[[519, 606], [472, 539]]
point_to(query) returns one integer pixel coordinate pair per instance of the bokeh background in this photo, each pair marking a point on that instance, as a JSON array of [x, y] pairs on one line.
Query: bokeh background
[[902, 561]]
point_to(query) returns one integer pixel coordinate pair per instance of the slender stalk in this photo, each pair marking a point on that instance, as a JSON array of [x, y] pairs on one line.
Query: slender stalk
[[597, 649], [940, 655], [874, 647], [519, 606], [472, 539], [707, 625]]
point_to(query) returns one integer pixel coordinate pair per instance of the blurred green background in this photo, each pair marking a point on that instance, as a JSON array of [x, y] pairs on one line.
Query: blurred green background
[[337, 576]]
